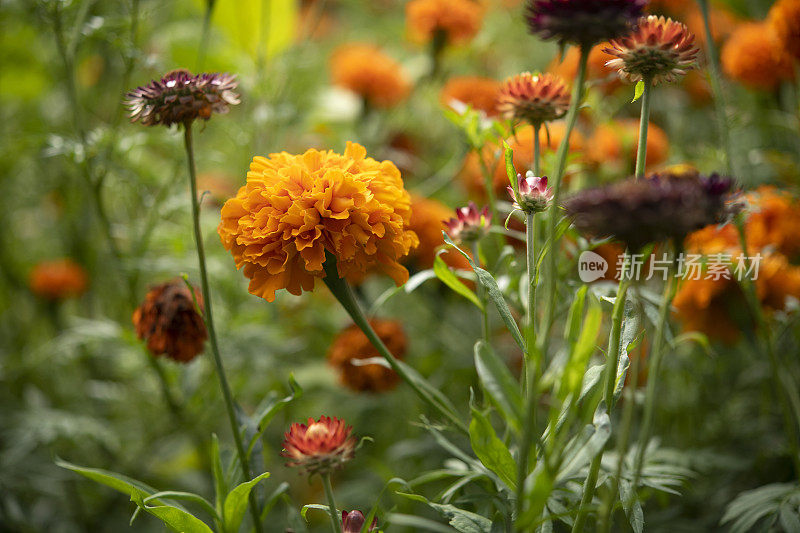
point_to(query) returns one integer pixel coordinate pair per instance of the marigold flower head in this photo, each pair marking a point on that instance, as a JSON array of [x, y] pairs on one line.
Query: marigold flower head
[[582, 22], [457, 20], [353, 521], [566, 66], [469, 224], [522, 145], [614, 144], [533, 98], [170, 323], [319, 446], [58, 279], [784, 17], [534, 195], [753, 56], [180, 97], [427, 221], [351, 344], [477, 92], [295, 209], [657, 50], [371, 74], [638, 212]]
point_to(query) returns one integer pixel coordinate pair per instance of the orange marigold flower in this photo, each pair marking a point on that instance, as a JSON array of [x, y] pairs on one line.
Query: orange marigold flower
[[58, 279], [533, 99], [371, 74], [566, 67], [475, 91], [351, 344], [522, 145], [319, 446], [458, 20], [428, 218], [753, 56], [295, 209], [784, 17], [170, 323], [615, 144]]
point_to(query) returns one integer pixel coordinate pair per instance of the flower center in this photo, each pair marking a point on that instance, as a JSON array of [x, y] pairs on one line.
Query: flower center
[[317, 430]]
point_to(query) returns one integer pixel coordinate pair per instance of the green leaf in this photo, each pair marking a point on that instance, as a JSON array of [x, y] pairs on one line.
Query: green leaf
[[220, 486], [585, 446], [495, 295], [118, 482], [490, 449], [510, 170], [269, 412], [318, 506], [185, 496], [499, 383], [417, 523], [538, 487], [178, 519], [638, 91], [464, 521], [572, 327], [262, 28], [236, 503], [447, 277], [582, 350]]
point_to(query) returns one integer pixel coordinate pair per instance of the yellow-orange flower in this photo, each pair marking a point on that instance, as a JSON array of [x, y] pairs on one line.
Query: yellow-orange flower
[[427, 221], [371, 74], [615, 143], [477, 92], [458, 20], [522, 145], [58, 279], [566, 67], [295, 209], [784, 17], [351, 344], [754, 57]]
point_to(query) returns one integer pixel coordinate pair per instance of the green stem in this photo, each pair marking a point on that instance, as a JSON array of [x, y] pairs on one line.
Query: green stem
[[654, 363], [610, 374], [531, 362], [342, 291], [204, 35], [482, 296], [488, 183], [644, 122], [553, 214], [716, 87], [209, 319], [335, 519], [536, 166]]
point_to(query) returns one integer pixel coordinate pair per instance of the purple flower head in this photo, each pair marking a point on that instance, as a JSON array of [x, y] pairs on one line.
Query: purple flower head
[[181, 97], [582, 22], [353, 521], [469, 224], [534, 195]]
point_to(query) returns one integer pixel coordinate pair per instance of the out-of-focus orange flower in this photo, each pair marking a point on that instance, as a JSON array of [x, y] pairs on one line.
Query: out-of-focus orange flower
[[477, 92], [611, 252], [615, 144], [295, 209], [723, 22], [58, 279], [596, 69], [319, 446], [371, 74], [754, 57], [428, 218], [784, 17], [458, 20], [522, 145], [351, 344], [219, 185], [170, 323]]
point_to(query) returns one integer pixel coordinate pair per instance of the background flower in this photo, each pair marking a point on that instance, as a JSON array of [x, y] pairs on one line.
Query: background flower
[[458, 20], [478, 92], [351, 344], [583, 22], [754, 57], [371, 74], [58, 279]]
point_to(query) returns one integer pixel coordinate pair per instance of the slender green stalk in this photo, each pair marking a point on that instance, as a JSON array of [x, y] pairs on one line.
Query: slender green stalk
[[531, 362], [482, 295], [610, 375], [644, 122], [205, 34], [537, 147], [716, 87], [209, 319], [488, 183], [654, 363], [553, 215], [344, 294], [335, 520]]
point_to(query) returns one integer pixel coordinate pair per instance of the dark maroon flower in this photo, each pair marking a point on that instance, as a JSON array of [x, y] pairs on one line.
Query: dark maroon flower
[[660, 207], [353, 521], [470, 224], [582, 22], [181, 97]]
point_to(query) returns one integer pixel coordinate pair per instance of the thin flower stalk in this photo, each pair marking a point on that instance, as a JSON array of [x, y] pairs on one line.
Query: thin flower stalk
[[209, 319], [335, 519], [553, 215], [476, 247], [488, 182], [716, 88], [644, 121]]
